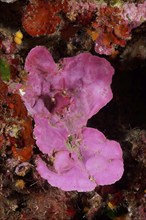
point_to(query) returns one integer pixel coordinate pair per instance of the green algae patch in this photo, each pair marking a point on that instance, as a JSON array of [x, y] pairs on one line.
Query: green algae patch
[[4, 70]]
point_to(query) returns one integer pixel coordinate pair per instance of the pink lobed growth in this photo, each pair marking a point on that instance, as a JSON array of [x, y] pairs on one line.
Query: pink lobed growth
[[71, 91], [61, 98], [79, 162]]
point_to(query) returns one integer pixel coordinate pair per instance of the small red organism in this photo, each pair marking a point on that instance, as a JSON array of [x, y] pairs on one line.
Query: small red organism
[[121, 30], [41, 17], [22, 154], [23, 150], [71, 212]]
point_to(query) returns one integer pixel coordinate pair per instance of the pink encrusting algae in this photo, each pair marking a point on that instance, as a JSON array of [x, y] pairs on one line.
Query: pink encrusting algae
[[61, 98]]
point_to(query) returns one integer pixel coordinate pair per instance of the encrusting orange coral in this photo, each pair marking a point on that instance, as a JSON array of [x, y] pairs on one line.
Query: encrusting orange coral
[[41, 17]]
